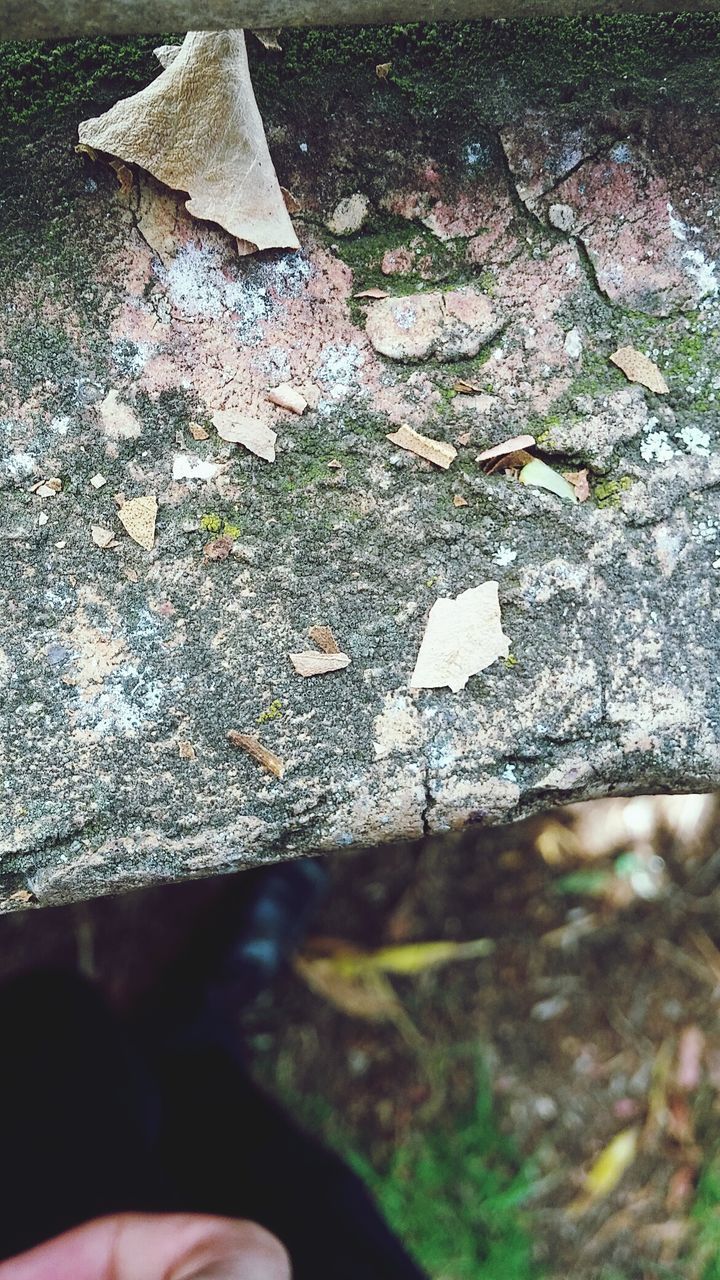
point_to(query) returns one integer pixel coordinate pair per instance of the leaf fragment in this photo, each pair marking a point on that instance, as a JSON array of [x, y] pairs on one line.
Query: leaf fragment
[[249, 743], [103, 537], [240, 428], [606, 1171], [579, 482], [197, 129], [538, 474], [286, 397], [138, 517], [638, 368], [324, 639], [312, 663], [459, 501], [436, 451], [382, 70], [197, 432], [463, 635], [47, 488], [372, 293], [514, 445], [465, 388]]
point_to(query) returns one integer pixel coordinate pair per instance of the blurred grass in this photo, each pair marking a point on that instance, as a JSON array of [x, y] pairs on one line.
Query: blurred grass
[[455, 1194]]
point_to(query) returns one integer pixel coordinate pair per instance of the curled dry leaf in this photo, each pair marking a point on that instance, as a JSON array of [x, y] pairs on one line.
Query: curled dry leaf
[[538, 474], [197, 129], [638, 368], [579, 482], [464, 388], [138, 517], [462, 636], [514, 445], [102, 537], [382, 70], [252, 745], [324, 639], [372, 293], [240, 428], [312, 663], [286, 397], [436, 451]]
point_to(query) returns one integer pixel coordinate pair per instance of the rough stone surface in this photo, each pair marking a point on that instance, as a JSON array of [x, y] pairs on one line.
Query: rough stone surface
[[124, 328]]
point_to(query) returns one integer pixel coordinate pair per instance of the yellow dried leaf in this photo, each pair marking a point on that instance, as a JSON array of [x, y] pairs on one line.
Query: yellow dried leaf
[[606, 1171], [436, 451], [138, 517], [197, 129], [416, 957], [312, 663], [638, 368], [462, 636], [252, 745], [382, 70], [240, 428], [459, 501]]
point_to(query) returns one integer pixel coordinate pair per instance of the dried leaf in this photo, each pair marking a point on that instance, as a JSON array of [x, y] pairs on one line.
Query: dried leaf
[[579, 482], [464, 388], [463, 636], [240, 428], [197, 432], [218, 549], [21, 896], [538, 474], [124, 176], [102, 537], [436, 451], [197, 129], [372, 293], [324, 638], [411, 957], [138, 516], [247, 742], [186, 750], [382, 70], [606, 1171], [286, 397], [459, 501], [369, 997], [637, 368], [334, 465], [268, 37], [312, 663], [513, 445], [98, 481], [464, 438]]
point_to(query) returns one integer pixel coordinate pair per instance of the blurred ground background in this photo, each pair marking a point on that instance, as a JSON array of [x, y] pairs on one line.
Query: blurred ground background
[[549, 1107]]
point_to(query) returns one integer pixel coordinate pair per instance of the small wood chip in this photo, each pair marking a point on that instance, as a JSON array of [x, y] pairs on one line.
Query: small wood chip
[[465, 388], [98, 481], [324, 639], [286, 397], [186, 750], [375, 293], [459, 501], [637, 368], [138, 517], [247, 742], [514, 445], [102, 537], [436, 451], [197, 432], [312, 663], [240, 428]]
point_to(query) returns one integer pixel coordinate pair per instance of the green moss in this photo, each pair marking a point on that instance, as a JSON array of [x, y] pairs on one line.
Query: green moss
[[607, 493], [273, 712], [211, 523]]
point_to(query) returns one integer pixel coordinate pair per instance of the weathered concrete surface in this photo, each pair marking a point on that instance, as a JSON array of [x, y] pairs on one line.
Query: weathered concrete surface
[[123, 323]]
